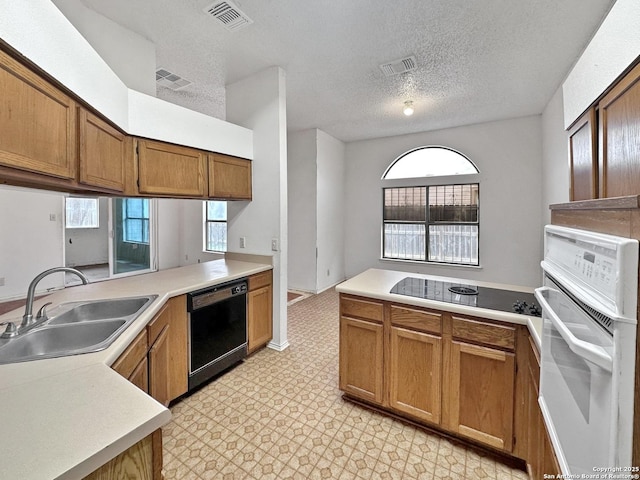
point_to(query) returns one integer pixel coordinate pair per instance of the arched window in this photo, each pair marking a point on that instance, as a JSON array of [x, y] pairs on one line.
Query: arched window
[[431, 161], [431, 223]]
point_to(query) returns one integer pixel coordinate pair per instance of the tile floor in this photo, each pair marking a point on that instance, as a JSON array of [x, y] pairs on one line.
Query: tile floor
[[280, 415]]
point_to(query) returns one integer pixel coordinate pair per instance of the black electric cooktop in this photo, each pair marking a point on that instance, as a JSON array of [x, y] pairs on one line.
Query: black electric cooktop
[[470, 295]]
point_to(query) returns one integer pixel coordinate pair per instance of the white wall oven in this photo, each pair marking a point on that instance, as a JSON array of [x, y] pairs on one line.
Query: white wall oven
[[589, 311]]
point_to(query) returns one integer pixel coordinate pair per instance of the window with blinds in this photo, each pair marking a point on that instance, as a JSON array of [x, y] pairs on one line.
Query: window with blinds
[[437, 223]]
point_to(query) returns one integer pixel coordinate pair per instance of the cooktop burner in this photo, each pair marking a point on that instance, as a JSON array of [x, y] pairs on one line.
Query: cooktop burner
[[470, 295]]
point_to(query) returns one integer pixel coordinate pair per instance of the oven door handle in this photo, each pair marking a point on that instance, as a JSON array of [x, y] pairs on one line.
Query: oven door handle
[[586, 350]]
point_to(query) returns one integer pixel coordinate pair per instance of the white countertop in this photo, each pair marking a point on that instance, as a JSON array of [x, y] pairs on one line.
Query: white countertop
[[377, 283], [62, 418]]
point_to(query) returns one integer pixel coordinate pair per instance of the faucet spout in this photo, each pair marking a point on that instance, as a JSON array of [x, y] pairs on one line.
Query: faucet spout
[[27, 320]]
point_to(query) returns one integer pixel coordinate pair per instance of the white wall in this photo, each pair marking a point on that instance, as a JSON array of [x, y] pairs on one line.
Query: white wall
[[131, 56], [330, 210], [612, 49], [555, 157], [259, 103], [89, 246], [509, 156], [30, 242], [190, 227], [302, 191]]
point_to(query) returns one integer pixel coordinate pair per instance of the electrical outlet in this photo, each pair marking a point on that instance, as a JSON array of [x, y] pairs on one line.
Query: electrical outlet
[[328, 272], [274, 244], [186, 257], [243, 242], [1, 281], [52, 217]]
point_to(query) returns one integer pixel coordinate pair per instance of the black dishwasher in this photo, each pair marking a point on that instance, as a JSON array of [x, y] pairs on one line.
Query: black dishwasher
[[217, 329]]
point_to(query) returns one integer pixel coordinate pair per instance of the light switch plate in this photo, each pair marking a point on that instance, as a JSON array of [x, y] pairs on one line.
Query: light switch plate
[[274, 244]]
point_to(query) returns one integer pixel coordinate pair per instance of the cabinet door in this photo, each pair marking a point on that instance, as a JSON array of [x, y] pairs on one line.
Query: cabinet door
[[173, 316], [229, 177], [361, 357], [583, 158], [165, 169], [159, 368], [37, 121], [129, 361], [414, 375], [102, 153], [619, 131], [259, 317], [140, 375], [481, 388]]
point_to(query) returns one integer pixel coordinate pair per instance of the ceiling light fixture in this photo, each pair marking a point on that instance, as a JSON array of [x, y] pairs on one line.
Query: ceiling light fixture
[[408, 108]]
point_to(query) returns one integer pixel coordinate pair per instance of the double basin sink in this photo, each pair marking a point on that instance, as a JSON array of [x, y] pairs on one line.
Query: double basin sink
[[75, 328]]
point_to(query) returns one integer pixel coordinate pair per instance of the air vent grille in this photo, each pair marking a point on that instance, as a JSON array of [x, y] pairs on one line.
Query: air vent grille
[[229, 14], [168, 79], [397, 67]]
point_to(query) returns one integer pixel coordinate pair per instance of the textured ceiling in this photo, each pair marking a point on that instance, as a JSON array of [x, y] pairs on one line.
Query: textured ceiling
[[478, 60]]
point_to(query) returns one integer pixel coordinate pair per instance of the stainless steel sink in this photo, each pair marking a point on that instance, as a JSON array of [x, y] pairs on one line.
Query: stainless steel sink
[[75, 328], [55, 341], [99, 310]]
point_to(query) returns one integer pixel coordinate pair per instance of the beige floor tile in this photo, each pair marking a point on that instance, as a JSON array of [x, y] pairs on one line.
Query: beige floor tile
[[280, 415]]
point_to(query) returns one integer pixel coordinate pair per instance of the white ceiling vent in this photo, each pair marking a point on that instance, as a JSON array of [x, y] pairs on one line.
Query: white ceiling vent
[[399, 66], [229, 14], [170, 80]]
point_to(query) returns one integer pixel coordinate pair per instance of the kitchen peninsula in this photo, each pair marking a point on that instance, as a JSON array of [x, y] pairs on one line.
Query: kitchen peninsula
[[65, 417]]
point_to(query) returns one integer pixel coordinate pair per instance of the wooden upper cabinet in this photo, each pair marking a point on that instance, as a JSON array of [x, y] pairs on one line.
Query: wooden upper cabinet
[[619, 138], [583, 158], [37, 123], [170, 170], [229, 177], [102, 153]]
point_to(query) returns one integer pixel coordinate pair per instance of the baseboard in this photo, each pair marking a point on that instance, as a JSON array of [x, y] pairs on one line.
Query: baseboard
[[279, 347]]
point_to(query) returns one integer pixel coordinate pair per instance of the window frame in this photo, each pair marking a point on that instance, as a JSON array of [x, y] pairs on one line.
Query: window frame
[[126, 217], [428, 223], [206, 227]]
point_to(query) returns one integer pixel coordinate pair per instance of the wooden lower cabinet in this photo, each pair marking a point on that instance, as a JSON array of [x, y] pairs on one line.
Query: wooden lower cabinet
[[142, 461], [159, 378], [260, 310], [481, 388], [361, 359], [414, 376]]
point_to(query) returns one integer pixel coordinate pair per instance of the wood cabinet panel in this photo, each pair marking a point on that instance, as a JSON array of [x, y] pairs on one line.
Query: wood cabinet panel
[[361, 359], [165, 169], [159, 368], [583, 158], [415, 319], [414, 379], [140, 375], [619, 138], [482, 392], [259, 317], [501, 336], [37, 121], [260, 280], [362, 308], [229, 177], [130, 359], [136, 462], [102, 153]]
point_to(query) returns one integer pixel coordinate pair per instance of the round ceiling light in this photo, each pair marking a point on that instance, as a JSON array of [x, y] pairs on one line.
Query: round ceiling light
[[408, 108]]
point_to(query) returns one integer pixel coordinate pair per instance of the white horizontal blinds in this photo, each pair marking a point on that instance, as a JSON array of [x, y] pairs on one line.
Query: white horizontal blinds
[[453, 224], [405, 215]]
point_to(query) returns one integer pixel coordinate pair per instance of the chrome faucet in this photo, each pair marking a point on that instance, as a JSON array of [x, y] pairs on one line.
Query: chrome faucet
[[28, 321]]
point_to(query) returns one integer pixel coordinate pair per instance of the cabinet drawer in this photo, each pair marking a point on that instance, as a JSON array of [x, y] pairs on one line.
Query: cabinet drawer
[[414, 319], [260, 280], [358, 307], [501, 336], [126, 363]]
